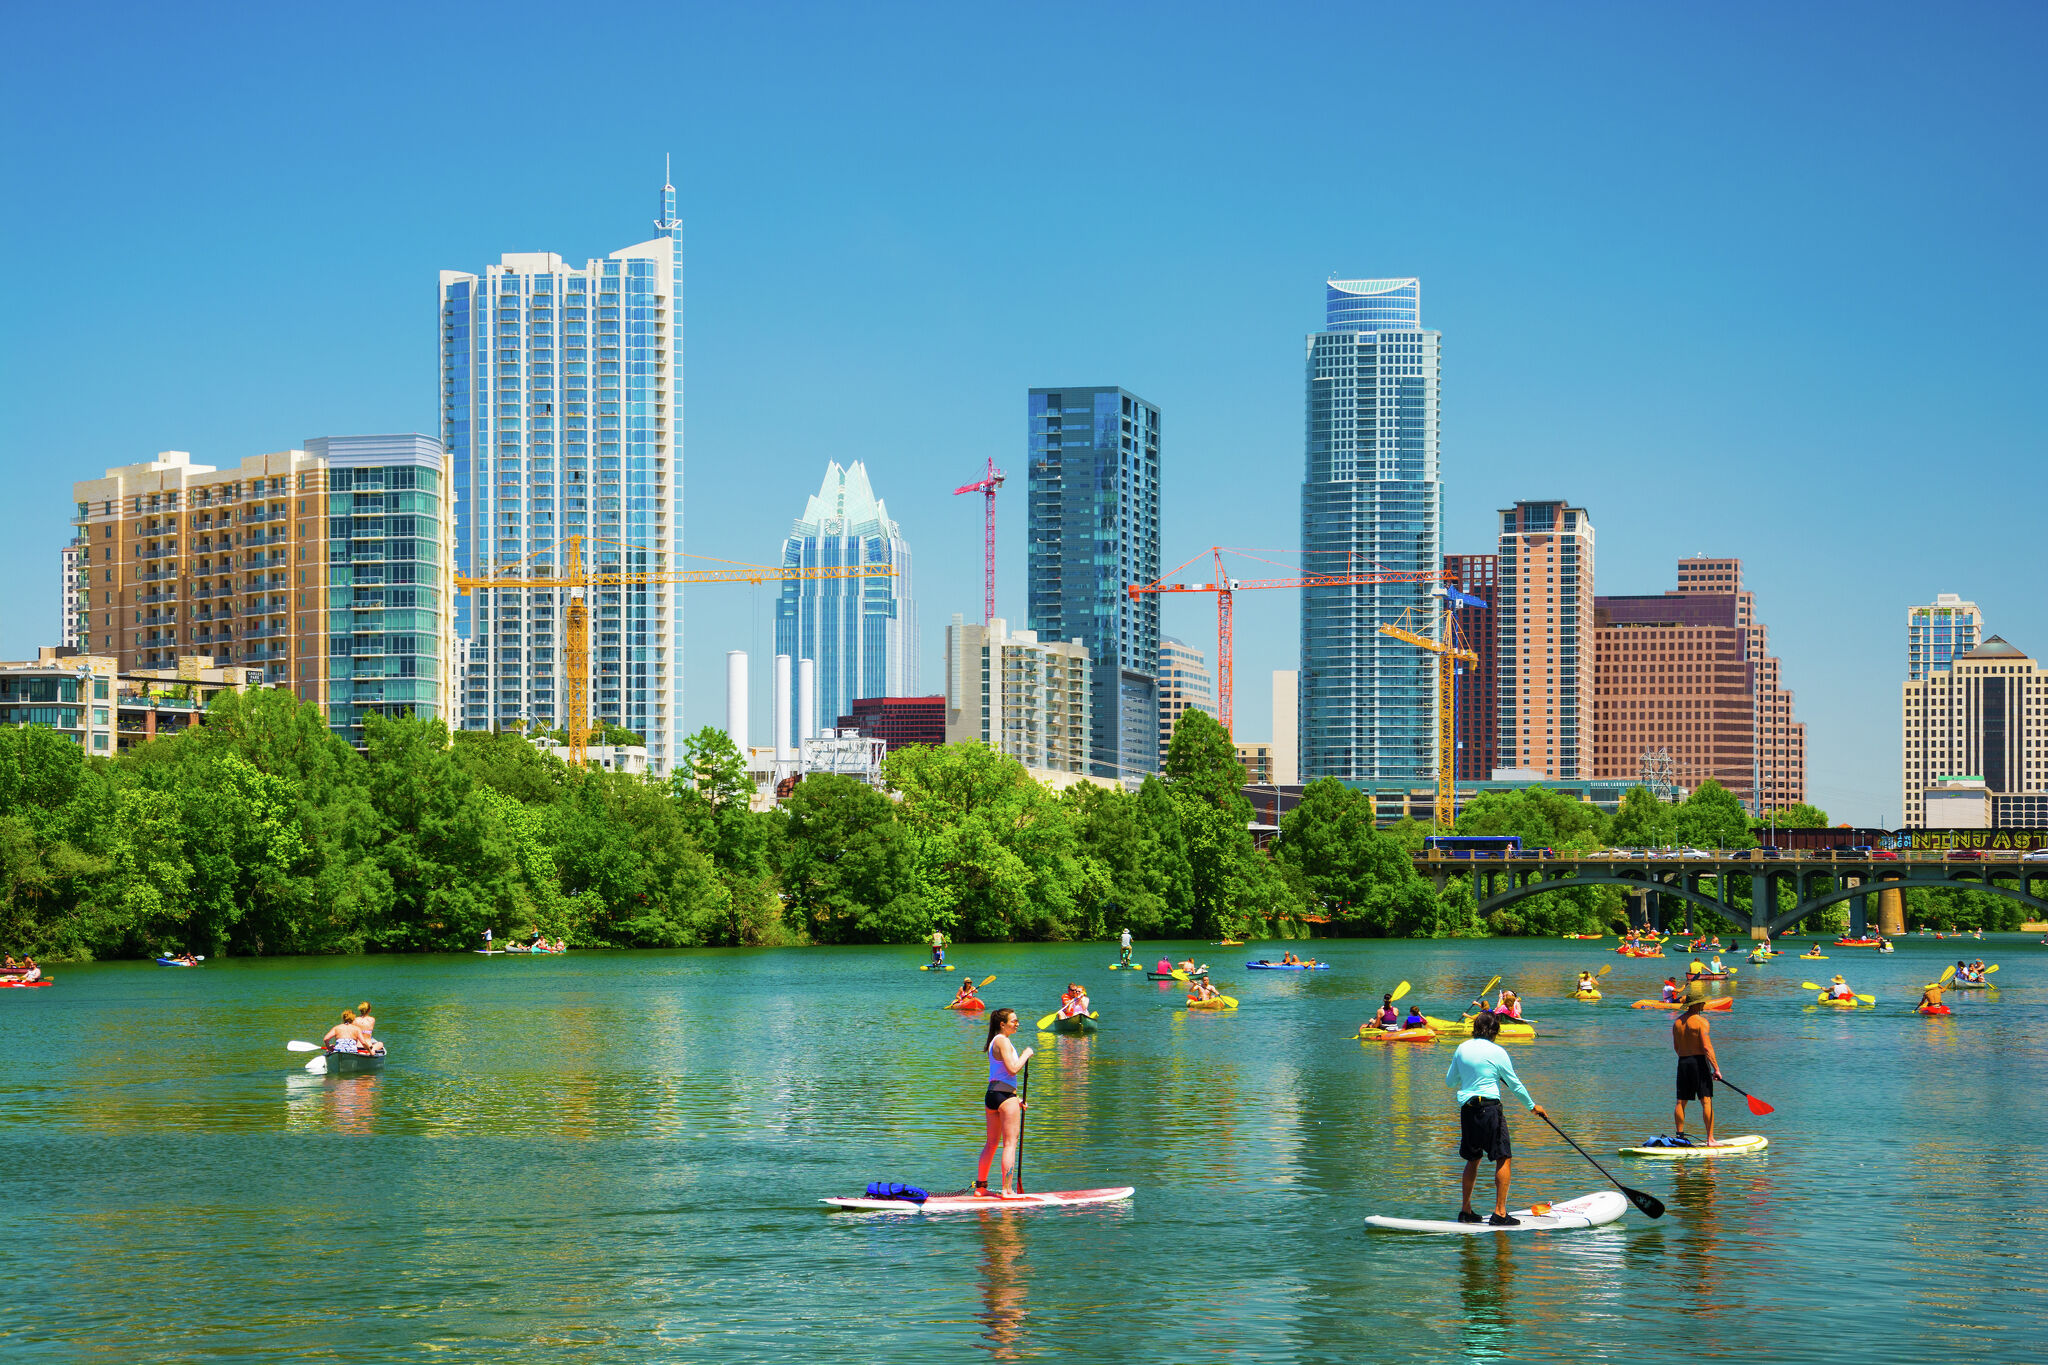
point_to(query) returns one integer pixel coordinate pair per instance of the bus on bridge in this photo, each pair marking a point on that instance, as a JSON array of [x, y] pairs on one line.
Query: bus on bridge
[[1474, 845]]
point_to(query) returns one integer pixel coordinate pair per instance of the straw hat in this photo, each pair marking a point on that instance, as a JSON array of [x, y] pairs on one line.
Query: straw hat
[[1838, 976]]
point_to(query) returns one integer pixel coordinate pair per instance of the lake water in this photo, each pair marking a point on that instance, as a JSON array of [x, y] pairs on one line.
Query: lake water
[[609, 1157]]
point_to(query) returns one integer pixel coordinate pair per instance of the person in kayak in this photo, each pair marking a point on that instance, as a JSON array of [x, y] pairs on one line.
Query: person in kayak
[[1715, 968], [1165, 967], [366, 1025], [1588, 982], [966, 995], [1203, 988], [1670, 992], [1698, 1068], [1509, 1006], [1477, 1069], [1125, 959], [345, 1036], [1388, 1017], [1416, 1018], [1002, 1106], [1073, 1002], [1838, 989], [938, 948], [1930, 997], [1289, 960]]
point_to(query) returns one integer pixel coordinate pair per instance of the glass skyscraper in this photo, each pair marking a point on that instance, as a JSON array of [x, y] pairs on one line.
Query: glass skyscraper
[[1940, 633], [861, 633], [562, 413], [1094, 529], [1371, 502]]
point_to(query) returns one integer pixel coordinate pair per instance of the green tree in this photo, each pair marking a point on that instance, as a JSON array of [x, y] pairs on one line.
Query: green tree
[[1351, 870], [1711, 818], [1642, 821], [849, 867], [1232, 883]]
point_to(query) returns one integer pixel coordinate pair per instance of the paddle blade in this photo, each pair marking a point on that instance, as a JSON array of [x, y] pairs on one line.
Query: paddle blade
[[986, 979], [1400, 990], [1946, 973], [1758, 1107], [1811, 986], [297, 1046], [1650, 1204], [1604, 971], [1868, 999], [317, 1067], [1992, 968], [1046, 1022], [1489, 985]]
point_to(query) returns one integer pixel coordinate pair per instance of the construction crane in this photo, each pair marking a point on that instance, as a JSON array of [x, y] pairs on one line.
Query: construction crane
[[581, 577], [1449, 651], [1225, 587], [987, 486]]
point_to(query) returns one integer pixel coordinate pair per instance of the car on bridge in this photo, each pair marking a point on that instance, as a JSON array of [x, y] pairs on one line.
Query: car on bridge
[[1966, 854], [1693, 853], [1871, 851], [2035, 855], [1746, 854]]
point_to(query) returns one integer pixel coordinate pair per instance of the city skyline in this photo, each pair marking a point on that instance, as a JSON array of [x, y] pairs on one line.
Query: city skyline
[[1537, 286]]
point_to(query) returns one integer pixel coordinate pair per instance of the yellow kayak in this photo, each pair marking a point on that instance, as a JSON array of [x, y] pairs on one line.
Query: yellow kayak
[[1849, 1004], [1221, 1002], [1586, 995], [1462, 1028]]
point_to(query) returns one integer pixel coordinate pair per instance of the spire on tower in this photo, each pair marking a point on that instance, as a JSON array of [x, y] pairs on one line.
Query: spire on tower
[[668, 222]]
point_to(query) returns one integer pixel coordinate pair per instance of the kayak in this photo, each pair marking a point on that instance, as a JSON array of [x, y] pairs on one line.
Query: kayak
[[488, 952], [1933, 1009], [1586, 995], [1079, 1023], [1405, 1035], [1177, 976], [1958, 984], [1857, 942], [1737, 1146], [1462, 1028], [1587, 1211], [24, 985], [1813, 957], [1849, 1004], [1719, 1002], [1288, 966], [1221, 1002], [1585, 936], [966, 1006], [1713, 976], [173, 962], [1228, 943], [345, 1063], [979, 1203]]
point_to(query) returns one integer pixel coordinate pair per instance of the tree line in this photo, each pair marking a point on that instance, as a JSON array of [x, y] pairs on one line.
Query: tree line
[[261, 832]]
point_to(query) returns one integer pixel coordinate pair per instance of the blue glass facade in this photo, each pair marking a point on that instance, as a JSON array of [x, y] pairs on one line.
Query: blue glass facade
[[1093, 455], [562, 414], [1371, 501]]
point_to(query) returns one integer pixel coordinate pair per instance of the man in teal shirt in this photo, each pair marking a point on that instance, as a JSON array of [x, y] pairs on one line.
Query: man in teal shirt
[[1477, 1069]]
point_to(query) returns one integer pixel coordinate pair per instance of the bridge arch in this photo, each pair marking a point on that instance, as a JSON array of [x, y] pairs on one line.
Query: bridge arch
[[1536, 887], [1785, 918]]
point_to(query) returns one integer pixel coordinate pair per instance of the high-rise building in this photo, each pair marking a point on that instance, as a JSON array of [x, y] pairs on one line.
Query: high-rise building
[[72, 595], [1371, 500], [1184, 681], [562, 412], [327, 568], [1257, 760], [1780, 740], [1094, 530], [1543, 616], [1476, 706], [860, 633], [1986, 717], [1286, 726], [898, 722], [1020, 696], [1939, 632]]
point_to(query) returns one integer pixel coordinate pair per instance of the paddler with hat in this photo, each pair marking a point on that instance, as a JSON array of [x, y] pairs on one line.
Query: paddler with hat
[[1838, 989], [1698, 1068]]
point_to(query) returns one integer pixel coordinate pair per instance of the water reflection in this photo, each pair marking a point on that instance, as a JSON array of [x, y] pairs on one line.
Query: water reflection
[[1486, 1284], [1003, 1274], [337, 1104]]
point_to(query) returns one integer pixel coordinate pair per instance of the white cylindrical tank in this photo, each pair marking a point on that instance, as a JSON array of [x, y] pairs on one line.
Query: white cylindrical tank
[[736, 698], [784, 751], [806, 700]]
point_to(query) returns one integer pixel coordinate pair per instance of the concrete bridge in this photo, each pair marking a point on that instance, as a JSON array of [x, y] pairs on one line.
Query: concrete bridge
[[1658, 883]]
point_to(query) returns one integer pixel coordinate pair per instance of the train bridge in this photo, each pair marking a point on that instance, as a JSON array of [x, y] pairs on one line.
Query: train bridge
[[1659, 882]]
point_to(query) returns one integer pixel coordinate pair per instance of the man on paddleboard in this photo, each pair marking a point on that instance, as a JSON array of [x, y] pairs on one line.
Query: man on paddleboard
[[1697, 1067], [1477, 1069], [938, 948], [1126, 942]]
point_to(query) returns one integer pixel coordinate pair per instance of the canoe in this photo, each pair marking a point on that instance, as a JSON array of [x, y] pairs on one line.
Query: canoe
[[1227, 943], [1719, 1002], [1406, 1035], [1735, 1146], [1586, 995], [1288, 966], [1079, 1023], [1585, 936], [1587, 1211], [1932, 1009], [1857, 942], [1462, 1028], [1713, 976], [1177, 976], [1958, 984], [353, 1063], [980, 1203]]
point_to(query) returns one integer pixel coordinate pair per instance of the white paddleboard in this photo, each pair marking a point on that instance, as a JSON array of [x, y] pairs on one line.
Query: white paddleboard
[[1735, 1146], [1587, 1211], [976, 1203]]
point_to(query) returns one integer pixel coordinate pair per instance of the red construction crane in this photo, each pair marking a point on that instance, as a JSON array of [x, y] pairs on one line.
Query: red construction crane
[[987, 486], [1225, 586]]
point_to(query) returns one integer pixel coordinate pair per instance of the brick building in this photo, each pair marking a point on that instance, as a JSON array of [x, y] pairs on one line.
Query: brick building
[[1545, 586], [898, 721], [1477, 701]]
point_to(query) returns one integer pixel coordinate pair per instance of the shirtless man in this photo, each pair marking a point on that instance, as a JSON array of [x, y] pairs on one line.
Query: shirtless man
[[1697, 1067]]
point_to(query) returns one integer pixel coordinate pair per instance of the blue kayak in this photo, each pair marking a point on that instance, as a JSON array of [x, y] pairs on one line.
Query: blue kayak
[[1288, 966], [173, 962]]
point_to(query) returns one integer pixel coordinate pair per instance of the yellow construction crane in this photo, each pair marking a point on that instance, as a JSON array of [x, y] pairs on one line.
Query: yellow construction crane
[[1448, 650], [581, 578]]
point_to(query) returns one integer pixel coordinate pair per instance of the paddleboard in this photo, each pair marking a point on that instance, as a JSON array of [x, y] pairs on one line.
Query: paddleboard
[[1288, 966], [930, 965], [1737, 1146], [1587, 1211], [488, 952], [979, 1203]]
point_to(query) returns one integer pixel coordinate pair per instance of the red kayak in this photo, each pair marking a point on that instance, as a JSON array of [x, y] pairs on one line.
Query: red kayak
[[24, 985], [967, 1006], [1934, 1009]]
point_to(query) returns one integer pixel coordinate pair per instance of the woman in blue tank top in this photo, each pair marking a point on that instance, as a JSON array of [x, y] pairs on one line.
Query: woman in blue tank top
[[1002, 1105]]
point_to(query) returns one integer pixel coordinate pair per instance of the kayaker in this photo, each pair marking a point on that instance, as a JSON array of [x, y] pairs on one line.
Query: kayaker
[[1002, 1105], [1202, 989], [966, 995], [1416, 1018], [1588, 982], [1477, 1069], [1388, 1017], [1188, 965], [1930, 997], [1125, 960], [1695, 970], [1288, 959], [1670, 994], [1074, 1002], [1165, 967], [1838, 989], [345, 1036], [1714, 968], [938, 948], [1698, 1068], [27, 970]]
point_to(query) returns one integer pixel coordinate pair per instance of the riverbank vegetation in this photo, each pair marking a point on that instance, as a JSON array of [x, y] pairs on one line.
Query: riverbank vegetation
[[262, 832]]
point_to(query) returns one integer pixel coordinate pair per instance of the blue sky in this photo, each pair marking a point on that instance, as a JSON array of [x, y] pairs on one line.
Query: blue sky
[[1744, 279]]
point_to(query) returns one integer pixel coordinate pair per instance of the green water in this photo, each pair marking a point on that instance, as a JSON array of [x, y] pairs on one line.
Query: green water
[[618, 1156]]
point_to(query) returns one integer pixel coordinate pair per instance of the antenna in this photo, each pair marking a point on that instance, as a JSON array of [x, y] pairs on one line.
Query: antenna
[[668, 222]]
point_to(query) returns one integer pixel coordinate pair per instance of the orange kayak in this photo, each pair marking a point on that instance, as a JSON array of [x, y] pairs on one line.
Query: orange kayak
[[967, 1006], [1406, 1035]]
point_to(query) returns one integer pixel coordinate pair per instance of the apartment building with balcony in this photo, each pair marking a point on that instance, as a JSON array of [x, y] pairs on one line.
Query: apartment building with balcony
[[1019, 695]]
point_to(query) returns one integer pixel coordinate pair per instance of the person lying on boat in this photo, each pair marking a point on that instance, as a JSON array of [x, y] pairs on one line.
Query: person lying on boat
[[966, 995], [346, 1036], [1670, 995], [1388, 1017]]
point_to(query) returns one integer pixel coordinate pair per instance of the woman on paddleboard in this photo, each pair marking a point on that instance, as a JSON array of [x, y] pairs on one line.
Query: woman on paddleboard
[[1003, 1106]]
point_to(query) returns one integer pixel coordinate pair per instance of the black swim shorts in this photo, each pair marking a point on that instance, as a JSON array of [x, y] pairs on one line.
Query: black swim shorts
[[994, 1098], [1483, 1131], [1695, 1079]]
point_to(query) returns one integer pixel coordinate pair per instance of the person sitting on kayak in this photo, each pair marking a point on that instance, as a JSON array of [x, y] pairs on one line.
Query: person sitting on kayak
[[1074, 1002], [1416, 1018], [344, 1036], [1478, 1069], [1187, 965], [1165, 967], [1509, 1006], [1289, 960], [1930, 998], [1588, 982], [1838, 989], [1715, 968], [1202, 989], [1670, 995], [28, 970], [1388, 1017], [966, 995]]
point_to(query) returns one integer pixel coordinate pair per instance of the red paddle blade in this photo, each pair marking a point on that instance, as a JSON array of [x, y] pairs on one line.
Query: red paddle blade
[[1757, 1106]]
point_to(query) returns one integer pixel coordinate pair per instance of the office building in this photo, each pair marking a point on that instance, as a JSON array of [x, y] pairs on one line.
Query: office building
[[562, 412], [898, 722], [1257, 759], [1476, 705], [1545, 680], [1371, 502], [1184, 681], [71, 602], [88, 700], [1938, 632], [1093, 530], [1985, 719], [1780, 740], [1286, 726], [326, 570], [859, 633], [1020, 696]]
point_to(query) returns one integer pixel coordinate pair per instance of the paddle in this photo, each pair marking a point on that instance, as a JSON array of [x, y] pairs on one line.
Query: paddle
[[1023, 1099], [1756, 1106], [296, 1046], [1648, 1203], [1400, 990]]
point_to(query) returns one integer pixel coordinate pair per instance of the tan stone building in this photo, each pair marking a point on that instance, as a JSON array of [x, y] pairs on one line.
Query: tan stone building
[[1543, 622], [1984, 717], [1184, 681], [1019, 695]]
